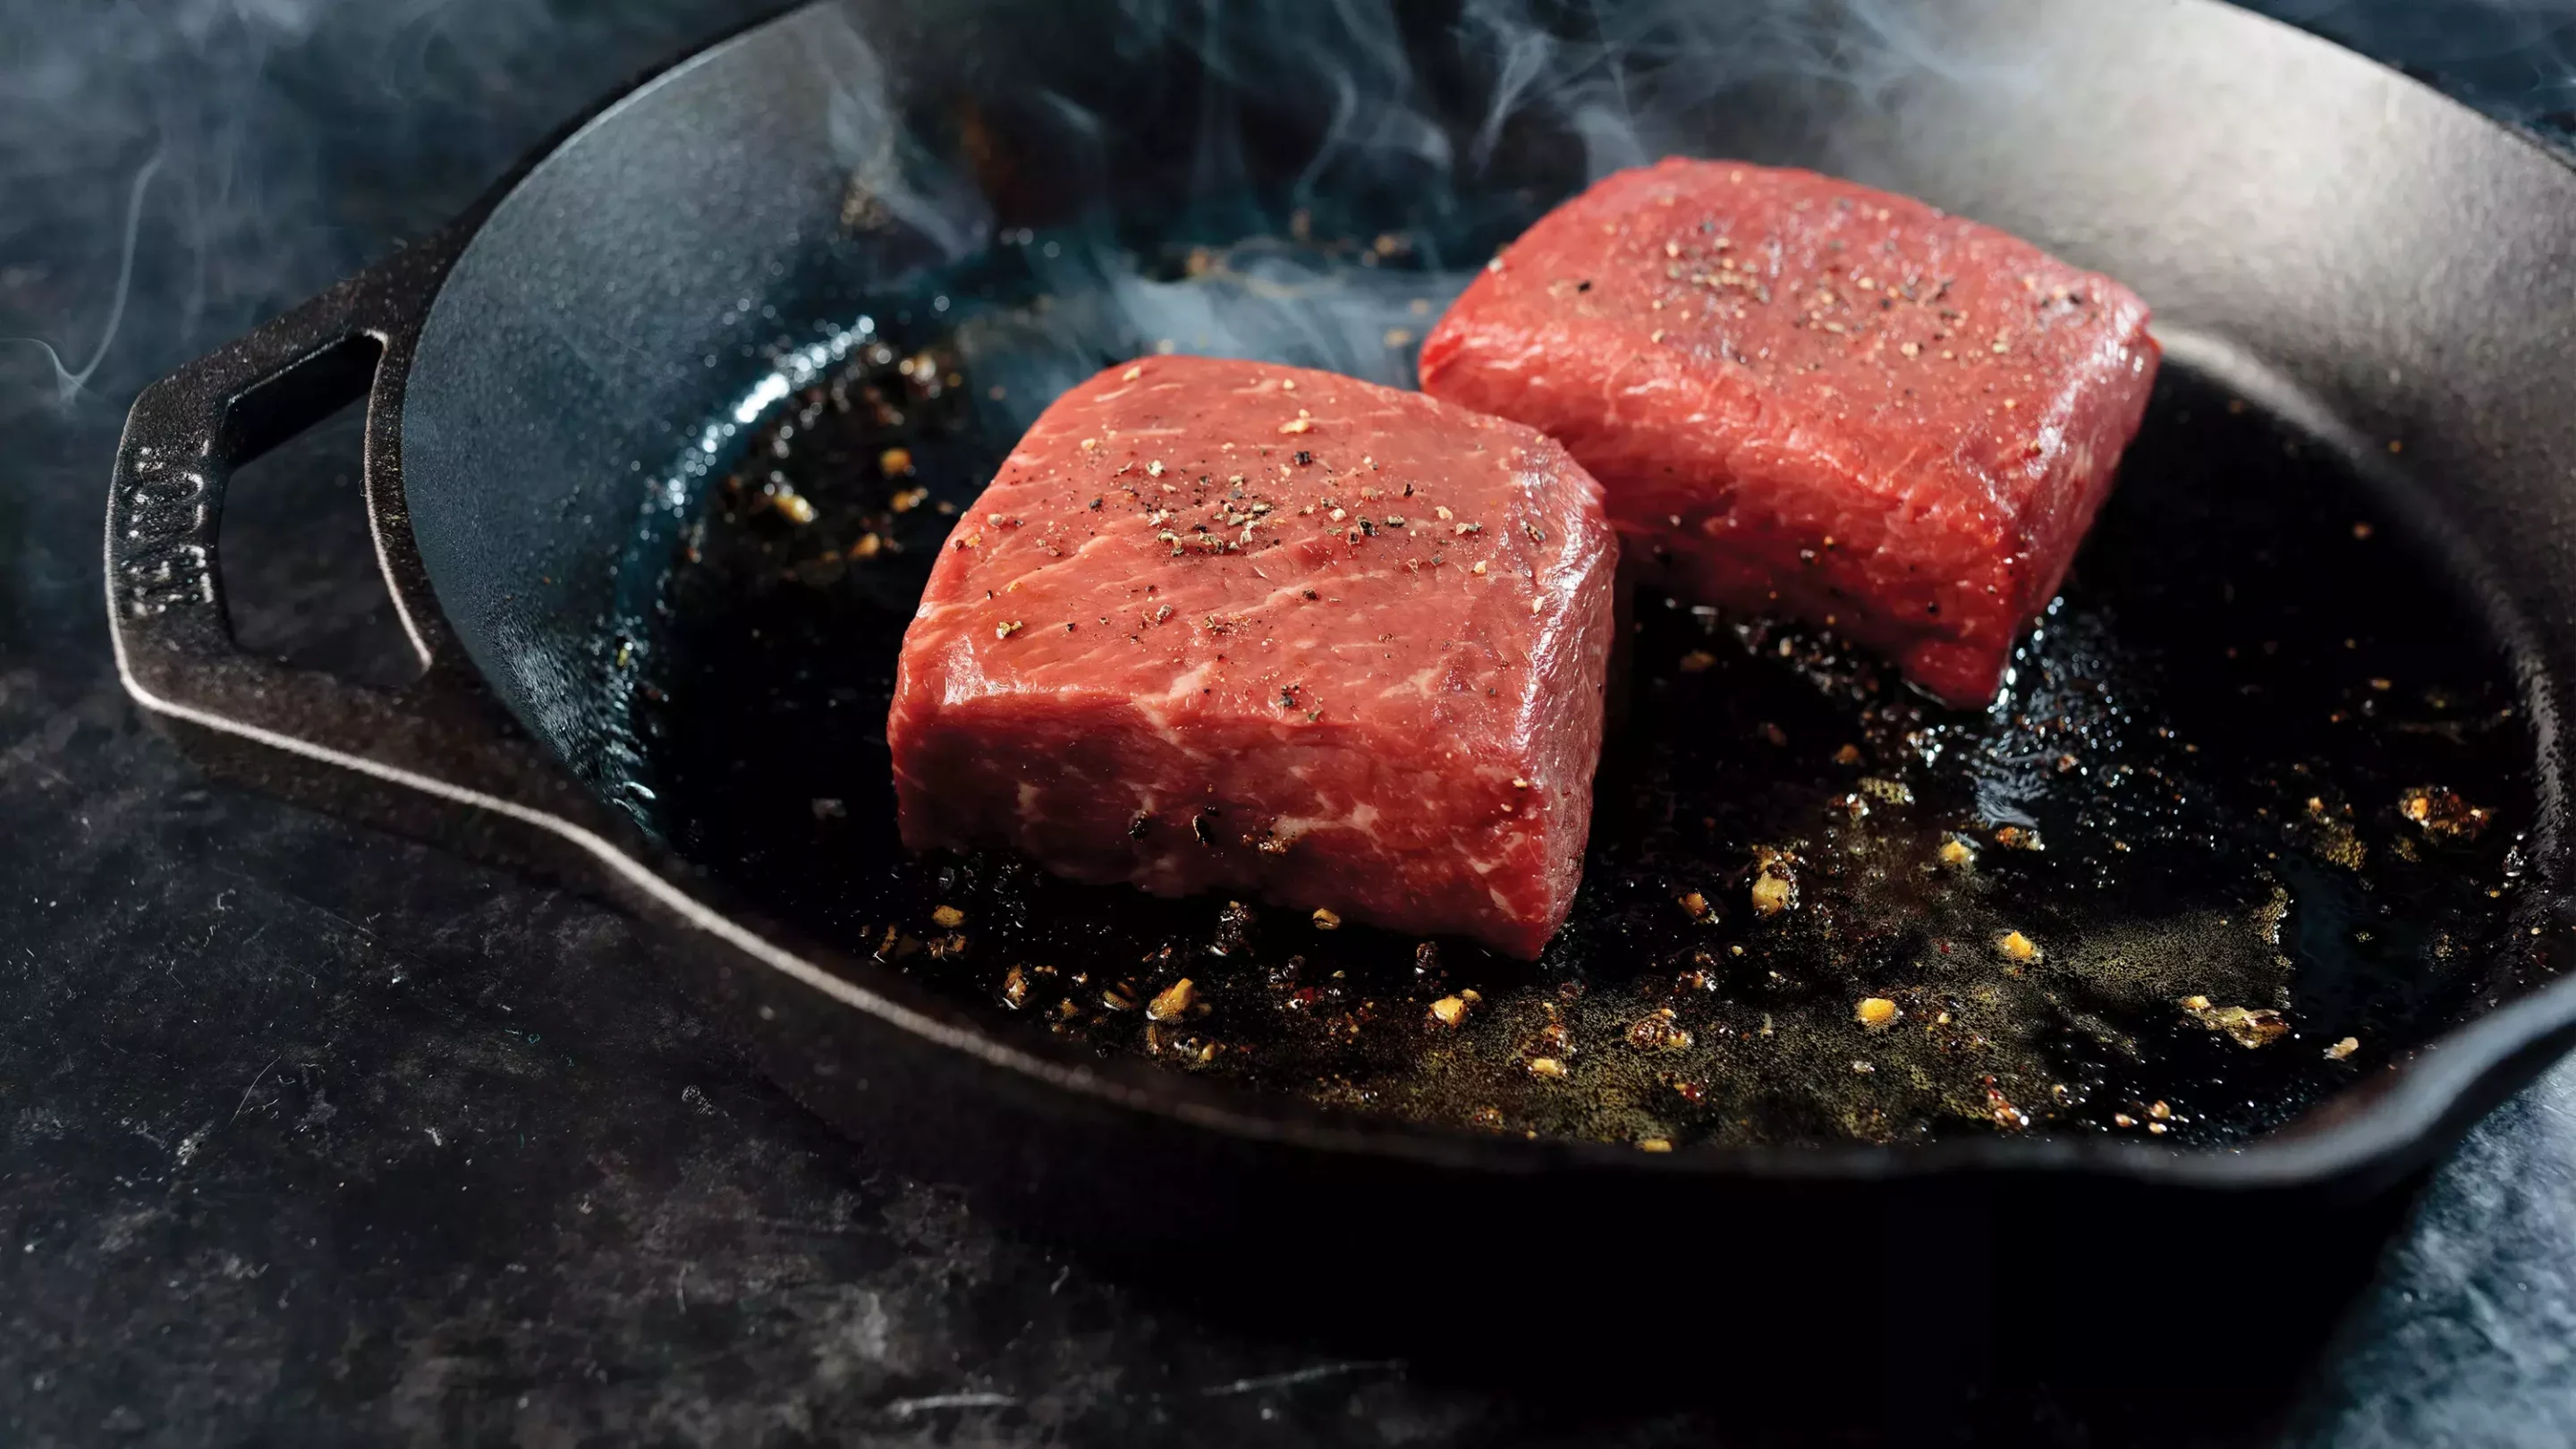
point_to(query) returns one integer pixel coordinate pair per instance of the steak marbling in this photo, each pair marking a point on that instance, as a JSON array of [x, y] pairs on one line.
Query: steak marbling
[[1223, 624], [1805, 396]]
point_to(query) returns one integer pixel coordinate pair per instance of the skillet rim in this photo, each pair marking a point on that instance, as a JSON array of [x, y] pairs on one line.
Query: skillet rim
[[2416, 1105]]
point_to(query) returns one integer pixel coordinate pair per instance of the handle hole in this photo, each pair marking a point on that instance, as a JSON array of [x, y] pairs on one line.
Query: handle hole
[[297, 560], [265, 417]]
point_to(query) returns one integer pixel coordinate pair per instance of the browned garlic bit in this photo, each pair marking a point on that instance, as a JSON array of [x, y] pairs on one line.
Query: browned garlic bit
[[1659, 1031], [793, 506], [1173, 1001], [2249, 1027], [2443, 812], [1774, 889]]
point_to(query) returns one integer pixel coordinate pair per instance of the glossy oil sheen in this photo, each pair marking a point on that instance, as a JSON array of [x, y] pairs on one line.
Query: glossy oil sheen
[[2358, 254], [2191, 789]]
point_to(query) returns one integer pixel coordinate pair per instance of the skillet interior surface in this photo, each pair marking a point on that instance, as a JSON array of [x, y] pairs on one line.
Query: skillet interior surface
[[631, 361], [2196, 789]]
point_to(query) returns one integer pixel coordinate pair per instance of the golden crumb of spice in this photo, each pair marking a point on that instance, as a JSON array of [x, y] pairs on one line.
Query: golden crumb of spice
[[2014, 837], [947, 918], [2248, 1027], [1654, 1144], [868, 546], [2123, 1119], [1659, 1030], [1133, 373], [1007, 628], [1015, 987], [1297, 425], [1698, 661], [1773, 892], [1326, 920], [1696, 904], [1876, 1012], [2443, 812], [1847, 755], [1956, 853], [1449, 1010], [793, 506], [895, 462], [1548, 1067], [2160, 1111], [2343, 1049], [1172, 1001], [2017, 946]]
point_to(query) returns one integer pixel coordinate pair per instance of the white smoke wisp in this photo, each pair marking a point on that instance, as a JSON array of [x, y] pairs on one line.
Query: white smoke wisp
[[67, 381], [1416, 136], [173, 172]]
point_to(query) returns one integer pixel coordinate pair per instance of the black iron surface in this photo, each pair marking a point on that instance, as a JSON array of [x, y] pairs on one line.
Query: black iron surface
[[295, 1264], [802, 159]]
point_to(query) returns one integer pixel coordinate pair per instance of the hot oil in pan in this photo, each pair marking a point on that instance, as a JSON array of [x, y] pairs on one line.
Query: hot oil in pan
[[2252, 805]]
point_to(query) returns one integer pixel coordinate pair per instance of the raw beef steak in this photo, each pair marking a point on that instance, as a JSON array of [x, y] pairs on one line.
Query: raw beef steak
[[1805, 396], [1228, 624]]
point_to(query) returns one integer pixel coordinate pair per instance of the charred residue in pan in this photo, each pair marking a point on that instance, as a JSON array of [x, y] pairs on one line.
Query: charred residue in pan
[[2253, 804]]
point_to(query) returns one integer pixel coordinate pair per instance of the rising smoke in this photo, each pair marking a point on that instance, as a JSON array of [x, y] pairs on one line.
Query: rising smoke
[[231, 139], [226, 140]]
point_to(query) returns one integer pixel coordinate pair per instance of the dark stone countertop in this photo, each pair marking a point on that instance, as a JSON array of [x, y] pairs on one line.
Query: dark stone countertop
[[309, 1135]]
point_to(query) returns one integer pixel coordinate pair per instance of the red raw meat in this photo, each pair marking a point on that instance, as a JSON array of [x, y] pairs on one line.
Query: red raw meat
[[1805, 396], [1228, 624]]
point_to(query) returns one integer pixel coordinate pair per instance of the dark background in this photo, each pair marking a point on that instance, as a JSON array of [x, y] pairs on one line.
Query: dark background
[[308, 1135]]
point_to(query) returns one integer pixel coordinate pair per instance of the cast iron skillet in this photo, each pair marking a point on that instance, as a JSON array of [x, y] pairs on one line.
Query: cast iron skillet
[[2351, 251]]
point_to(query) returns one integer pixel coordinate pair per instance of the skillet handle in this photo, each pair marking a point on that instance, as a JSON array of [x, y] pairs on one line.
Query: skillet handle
[[438, 758]]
